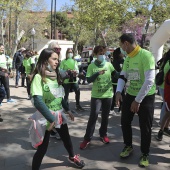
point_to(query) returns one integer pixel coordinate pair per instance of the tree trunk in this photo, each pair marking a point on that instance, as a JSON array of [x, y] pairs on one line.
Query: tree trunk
[[77, 40], [104, 39], [95, 36], [2, 27], [15, 42]]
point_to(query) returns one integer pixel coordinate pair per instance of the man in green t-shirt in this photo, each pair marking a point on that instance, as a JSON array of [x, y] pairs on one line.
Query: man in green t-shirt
[[139, 71]]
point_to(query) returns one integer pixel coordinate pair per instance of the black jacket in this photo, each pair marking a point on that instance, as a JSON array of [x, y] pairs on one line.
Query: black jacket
[[17, 60]]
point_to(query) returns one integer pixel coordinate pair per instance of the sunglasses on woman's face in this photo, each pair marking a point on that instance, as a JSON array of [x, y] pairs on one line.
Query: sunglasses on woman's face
[[57, 50]]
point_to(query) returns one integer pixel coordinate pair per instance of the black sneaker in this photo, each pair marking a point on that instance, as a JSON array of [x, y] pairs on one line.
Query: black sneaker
[[79, 163], [78, 107], [159, 136], [166, 132], [54, 134]]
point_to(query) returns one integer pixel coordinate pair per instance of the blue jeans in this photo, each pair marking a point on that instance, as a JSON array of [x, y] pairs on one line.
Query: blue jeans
[[17, 76], [161, 91]]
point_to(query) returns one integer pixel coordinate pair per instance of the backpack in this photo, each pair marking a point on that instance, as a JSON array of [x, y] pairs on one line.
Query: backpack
[[159, 79]]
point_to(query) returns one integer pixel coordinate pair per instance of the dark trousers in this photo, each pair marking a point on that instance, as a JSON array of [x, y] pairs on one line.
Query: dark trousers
[[145, 113], [17, 76], [114, 98], [23, 76], [95, 108], [2, 93], [42, 149], [76, 89], [5, 82], [28, 85]]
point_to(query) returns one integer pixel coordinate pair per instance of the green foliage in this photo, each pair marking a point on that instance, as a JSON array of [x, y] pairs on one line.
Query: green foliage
[[160, 13], [94, 22], [63, 24]]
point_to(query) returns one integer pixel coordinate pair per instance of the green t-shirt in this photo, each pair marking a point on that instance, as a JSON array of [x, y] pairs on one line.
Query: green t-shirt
[[136, 67], [102, 86], [3, 61], [52, 92], [27, 64], [166, 68], [69, 64]]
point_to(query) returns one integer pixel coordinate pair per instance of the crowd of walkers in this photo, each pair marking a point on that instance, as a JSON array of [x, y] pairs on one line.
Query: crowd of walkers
[[124, 79]]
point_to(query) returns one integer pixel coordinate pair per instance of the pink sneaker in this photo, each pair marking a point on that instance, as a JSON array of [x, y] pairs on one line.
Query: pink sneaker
[[79, 163], [105, 139], [84, 144]]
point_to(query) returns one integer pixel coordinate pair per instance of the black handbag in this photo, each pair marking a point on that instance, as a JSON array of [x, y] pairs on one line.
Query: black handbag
[[159, 79]]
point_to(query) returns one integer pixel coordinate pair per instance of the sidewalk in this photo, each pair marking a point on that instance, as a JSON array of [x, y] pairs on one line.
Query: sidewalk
[[16, 152]]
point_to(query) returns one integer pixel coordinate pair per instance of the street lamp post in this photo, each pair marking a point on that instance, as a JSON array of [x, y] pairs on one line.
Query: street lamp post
[[33, 34], [53, 24], [51, 19]]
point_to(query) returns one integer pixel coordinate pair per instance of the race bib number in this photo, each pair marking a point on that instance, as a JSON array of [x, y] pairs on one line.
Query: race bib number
[[133, 75], [57, 91]]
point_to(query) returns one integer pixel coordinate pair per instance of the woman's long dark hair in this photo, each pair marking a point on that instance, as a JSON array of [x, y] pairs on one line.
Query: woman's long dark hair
[[97, 49], [42, 64], [68, 49]]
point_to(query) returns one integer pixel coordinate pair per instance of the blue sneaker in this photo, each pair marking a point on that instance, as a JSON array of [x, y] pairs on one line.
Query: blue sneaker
[[0, 104], [10, 101]]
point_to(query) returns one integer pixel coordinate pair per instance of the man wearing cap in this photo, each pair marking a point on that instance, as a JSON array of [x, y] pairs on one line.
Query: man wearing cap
[[17, 64]]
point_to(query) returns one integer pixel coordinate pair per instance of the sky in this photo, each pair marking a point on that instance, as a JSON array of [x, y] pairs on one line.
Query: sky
[[59, 4]]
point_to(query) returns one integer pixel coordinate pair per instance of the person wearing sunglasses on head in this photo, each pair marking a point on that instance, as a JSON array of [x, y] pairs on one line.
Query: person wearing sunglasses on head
[[55, 46]]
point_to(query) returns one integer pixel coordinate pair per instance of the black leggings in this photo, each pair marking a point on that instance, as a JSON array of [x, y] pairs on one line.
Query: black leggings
[[42, 149], [5, 82], [75, 87], [28, 85]]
